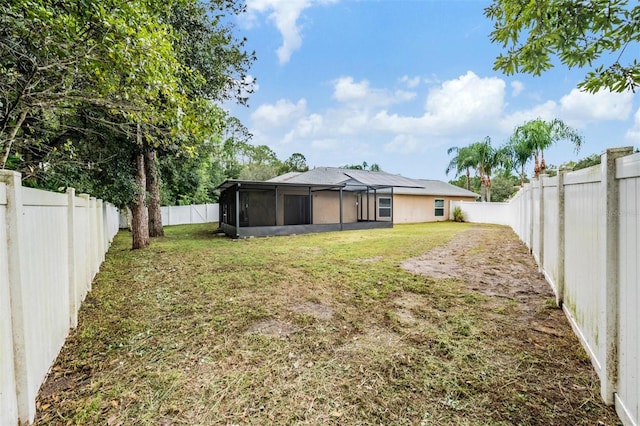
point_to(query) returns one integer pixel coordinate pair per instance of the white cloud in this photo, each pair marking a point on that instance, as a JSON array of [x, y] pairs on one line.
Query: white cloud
[[467, 104], [546, 111], [346, 90], [410, 82], [468, 98], [516, 88], [306, 127], [362, 121], [278, 114], [633, 134], [285, 16], [603, 105], [404, 144]]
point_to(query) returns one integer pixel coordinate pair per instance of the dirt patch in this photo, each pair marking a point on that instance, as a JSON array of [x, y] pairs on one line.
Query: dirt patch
[[273, 328], [488, 260], [316, 310]]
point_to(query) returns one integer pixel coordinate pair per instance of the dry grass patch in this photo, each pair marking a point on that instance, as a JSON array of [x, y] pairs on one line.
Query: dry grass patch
[[202, 330]]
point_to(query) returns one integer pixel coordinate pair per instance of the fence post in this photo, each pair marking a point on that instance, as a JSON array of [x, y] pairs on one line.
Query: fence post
[[611, 196], [73, 274], [87, 237], [541, 230], [19, 308], [561, 238]]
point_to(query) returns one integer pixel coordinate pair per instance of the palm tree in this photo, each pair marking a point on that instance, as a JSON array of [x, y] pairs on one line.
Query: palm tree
[[482, 157], [520, 152], [540, 135], [463, 161]]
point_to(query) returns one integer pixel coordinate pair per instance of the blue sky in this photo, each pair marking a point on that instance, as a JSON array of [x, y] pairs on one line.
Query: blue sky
[[398, 82]]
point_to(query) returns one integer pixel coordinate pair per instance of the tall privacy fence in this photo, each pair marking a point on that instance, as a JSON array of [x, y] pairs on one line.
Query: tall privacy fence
[[583, 229], [180, 215], [51, 247]]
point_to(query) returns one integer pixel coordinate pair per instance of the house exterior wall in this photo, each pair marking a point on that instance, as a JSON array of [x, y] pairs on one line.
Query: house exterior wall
[[326, 207], [421, 208], [373, 202]]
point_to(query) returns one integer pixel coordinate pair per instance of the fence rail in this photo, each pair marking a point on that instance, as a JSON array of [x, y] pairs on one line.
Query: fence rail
[[583, 228], [51, 247]]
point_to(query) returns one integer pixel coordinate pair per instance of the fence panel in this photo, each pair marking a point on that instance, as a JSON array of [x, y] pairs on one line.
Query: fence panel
[[628, 395], [497, 213], [195, 213], [82, 234], [584, 294], [45, 280], [535, 215], [551, 237], [51, 246]]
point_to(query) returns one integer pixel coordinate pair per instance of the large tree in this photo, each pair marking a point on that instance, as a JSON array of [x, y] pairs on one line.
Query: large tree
[[537, 135], [463, 160], [145, 73], [596, 34], [521, 152]]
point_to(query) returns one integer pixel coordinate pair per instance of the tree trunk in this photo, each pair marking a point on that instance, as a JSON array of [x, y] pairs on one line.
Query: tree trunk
[[483, 189], [468, 180], [489, 189], [536, 167], [6, 149], [140, 214], [153, 189]]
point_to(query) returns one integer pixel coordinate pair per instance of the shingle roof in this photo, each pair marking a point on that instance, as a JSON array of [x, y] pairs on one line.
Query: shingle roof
[[350, 177], [436, 187], [360, 179], [284, 178]]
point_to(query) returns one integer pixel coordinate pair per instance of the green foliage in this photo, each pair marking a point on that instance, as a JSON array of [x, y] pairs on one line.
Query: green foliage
[[534, 136], [504, 186], [295, 163], [458, 215], [77, 78], [461, 181], [579, 34], [364, 166], [589, 161]]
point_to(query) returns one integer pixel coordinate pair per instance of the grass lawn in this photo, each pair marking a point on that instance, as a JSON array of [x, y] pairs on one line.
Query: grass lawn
[[310, 329]]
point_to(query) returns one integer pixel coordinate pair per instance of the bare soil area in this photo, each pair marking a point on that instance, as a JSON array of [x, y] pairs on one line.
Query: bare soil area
[[491, 261]]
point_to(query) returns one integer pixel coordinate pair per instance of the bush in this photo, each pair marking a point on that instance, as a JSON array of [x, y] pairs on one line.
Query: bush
[[458, 216]]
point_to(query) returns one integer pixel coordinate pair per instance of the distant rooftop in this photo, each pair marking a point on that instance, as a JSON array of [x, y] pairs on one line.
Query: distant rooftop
[[356, 179]]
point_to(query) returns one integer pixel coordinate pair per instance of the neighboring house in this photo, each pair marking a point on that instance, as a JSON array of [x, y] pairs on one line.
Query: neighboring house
[[332, 199]]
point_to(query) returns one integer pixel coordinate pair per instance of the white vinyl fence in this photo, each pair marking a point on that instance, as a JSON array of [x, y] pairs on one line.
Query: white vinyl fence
[[583, 228], [180, 215], [51, 247], [195, 213]]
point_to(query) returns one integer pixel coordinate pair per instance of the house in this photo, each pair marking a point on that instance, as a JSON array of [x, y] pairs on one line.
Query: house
[[331, 199]]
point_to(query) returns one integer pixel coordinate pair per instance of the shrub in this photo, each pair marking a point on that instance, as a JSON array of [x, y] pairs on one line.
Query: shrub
[[458, 216]]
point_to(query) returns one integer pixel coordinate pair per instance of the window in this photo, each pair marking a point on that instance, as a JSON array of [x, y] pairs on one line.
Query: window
[[384, 207], [439, 211]]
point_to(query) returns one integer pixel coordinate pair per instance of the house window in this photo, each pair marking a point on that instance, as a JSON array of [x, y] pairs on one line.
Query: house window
[[439, 210], [384, 207]]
